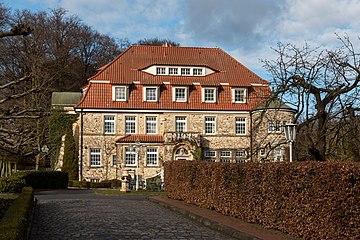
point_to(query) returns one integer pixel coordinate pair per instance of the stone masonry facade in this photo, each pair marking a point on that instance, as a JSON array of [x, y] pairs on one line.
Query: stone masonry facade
[[256, 144]]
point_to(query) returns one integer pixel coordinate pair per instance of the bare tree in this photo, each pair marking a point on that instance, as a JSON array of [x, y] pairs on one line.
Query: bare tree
[[320, 84]]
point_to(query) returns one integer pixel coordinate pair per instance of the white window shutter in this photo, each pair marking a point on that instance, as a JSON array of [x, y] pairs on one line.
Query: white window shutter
[[233, 95], [173, 94]]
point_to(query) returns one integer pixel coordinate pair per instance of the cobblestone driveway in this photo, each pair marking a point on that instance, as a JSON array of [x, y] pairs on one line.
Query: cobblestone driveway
[[80, 214]]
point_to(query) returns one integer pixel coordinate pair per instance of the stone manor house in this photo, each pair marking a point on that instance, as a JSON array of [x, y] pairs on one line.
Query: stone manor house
[[154, 104]]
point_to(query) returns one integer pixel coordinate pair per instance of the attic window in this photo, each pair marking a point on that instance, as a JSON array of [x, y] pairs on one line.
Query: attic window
[[185, 71], [197, 71], [151, 94], [160, 71], [120, 93], [239, 95]]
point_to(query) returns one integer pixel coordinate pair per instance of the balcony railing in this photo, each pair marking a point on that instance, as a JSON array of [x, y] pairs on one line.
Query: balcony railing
[[173, 137]]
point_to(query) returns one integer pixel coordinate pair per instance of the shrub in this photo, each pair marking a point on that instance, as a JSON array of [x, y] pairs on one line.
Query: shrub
[[13, 183], [309, 200], [16, 219]]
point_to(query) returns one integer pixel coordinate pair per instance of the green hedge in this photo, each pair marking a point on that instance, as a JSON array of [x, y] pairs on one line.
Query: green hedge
[[46, 180], [16, 219], [309, 200], [12, 184], [85, 184], [36, 180]]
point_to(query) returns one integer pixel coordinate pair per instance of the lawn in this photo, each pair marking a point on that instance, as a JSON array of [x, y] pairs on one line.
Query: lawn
[[118, 192]]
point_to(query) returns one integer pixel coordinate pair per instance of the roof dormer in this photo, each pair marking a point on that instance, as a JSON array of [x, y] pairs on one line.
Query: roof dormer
[[164, 70]]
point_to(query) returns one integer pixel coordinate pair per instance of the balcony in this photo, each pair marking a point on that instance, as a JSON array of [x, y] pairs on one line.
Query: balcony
[[175, 137]]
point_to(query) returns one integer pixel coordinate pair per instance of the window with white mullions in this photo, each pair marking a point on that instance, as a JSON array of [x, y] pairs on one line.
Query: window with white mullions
[[151, 125], [278, 126], [130, 157], [185, 71], [210, 156], [120, 93], [114, 160], [130, 124], [173, 71], [109, 124], [209, 95], [239, 95], [180, 124], [271, 126], [180, 94], [151, 156], [210, 125], [225, 156], [95, 157], [240, 126], [160, 71], [151, 94], [197, 71]]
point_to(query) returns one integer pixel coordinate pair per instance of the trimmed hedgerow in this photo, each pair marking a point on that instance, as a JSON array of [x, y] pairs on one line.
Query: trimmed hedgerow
[[16, 219], [46, 180], [12, 184], [309, 200]]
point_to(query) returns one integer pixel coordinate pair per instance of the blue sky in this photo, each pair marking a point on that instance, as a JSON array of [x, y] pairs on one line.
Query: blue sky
[[246, 29]]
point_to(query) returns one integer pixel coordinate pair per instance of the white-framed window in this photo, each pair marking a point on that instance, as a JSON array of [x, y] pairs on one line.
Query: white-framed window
[[114, 160], [130, 124], [197, 71], [271, 127], [120, 93], [239, 95], [185, 71], [209, 94], [130, 157], [277, 126], [240, 126], [95, 157], [180, 94], [210, 156], [160, 70], [109, 124], [225, 156], [151, 125], [278, 156], [151, 94], [210, 125], [180, 124], [151, 156], [173, 71], [241, 153]]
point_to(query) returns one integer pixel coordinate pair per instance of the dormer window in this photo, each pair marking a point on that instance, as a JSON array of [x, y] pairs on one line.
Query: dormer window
[[151, 94], [185, 71], [197, 71], [160, 71], [209, 94], [180, 94], [239, 95], [120, 93]]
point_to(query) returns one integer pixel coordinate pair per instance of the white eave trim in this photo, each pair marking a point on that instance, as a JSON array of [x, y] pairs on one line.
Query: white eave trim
[[259, 85], [99, 81], [157, 111]]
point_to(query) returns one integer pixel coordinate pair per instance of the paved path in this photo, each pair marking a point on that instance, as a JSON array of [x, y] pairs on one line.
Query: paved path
[[80, 214]]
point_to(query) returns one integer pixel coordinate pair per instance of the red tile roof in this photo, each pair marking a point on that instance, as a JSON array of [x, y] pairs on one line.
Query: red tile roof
[[141, 138], [126, 69]]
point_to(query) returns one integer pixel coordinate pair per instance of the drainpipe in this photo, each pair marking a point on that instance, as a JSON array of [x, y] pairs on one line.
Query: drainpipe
[[81, 143], [251, 137]]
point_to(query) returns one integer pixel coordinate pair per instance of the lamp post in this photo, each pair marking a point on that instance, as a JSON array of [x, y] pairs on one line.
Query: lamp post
[[136, 147], [290, 135]]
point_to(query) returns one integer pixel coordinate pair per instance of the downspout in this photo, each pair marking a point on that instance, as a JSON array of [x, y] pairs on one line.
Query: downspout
[[251, 137], [81, 143]]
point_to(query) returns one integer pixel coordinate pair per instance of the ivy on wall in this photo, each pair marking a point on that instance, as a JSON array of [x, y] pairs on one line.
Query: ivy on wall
[[57, 128]]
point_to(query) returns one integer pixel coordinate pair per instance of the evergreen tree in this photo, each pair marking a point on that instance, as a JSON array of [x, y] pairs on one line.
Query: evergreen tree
[[70, 161]]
